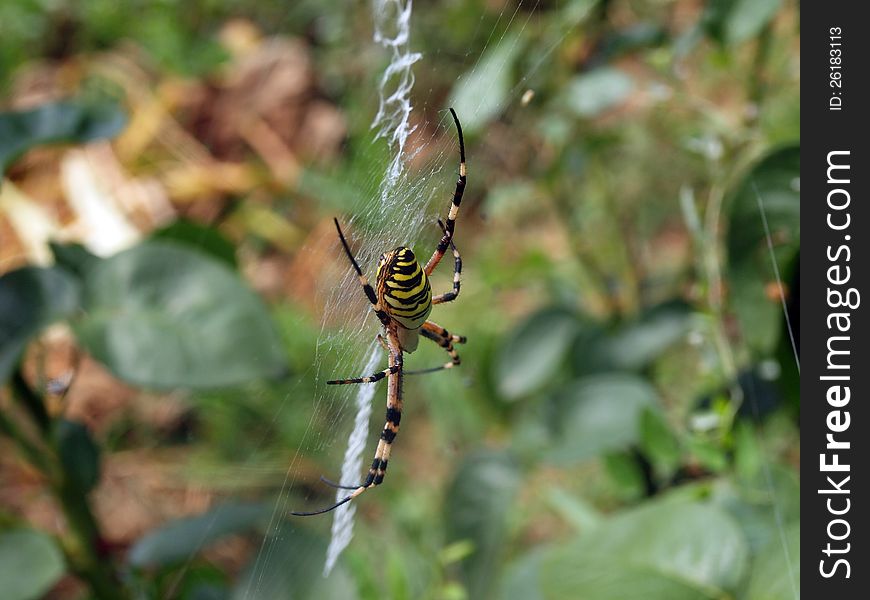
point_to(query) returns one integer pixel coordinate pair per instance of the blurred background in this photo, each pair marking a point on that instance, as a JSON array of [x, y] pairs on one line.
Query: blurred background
[[624, 423]]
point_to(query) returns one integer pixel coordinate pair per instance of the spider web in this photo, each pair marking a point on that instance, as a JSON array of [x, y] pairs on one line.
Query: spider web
[[402, 212], [408, 202]]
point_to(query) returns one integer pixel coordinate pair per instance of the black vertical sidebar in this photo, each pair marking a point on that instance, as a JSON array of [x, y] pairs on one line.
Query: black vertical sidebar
[[835, 419]]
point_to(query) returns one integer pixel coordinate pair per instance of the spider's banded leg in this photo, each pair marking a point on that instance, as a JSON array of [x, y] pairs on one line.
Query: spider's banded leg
[[370, 379], [337, 485], [442, 341], [393, 416], [441, 332], [454, 206], [364, 281], [391, 428], [457, 275], [383, 343]]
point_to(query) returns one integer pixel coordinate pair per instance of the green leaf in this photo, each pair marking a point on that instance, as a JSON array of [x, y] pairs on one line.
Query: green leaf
[[481, 93], [593, 93], [583, 574], [534, 352], [659, 443], [79, 454], [30, 563], [522, 578], [746, 19], [663, 550], [30, 299], [162, 315], [476, 508], [732, 22], [75, 258], [181, 539], [638, 343], [206, 239], [748, 455], [760, 506], [709, 453], [598, 414], [196, 581], [776, 574], [775, 180], [574, 509], [626, 474], [291, 566], [56, 122]]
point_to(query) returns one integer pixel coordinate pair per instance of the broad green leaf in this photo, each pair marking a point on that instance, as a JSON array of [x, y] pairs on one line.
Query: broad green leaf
[[776, 574], [734, 21], [78, 453], [477, 502], [598, 414], [481, 93], [643, 35], [204, 239], [181, 539], [291, 566], [574, 509], [746, 18], [199, 580], [700, 542], [534, 352], [30, 563], [162, 315], [662, 550], [592, 93], [56, 122], [75, 258], [207, 591], [522, 578], [637, 343], [775, 182], [581, 573], [30, 299], [760, 507]]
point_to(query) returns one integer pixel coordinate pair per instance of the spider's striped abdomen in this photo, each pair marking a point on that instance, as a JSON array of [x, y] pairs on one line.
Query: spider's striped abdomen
[[403, 288]]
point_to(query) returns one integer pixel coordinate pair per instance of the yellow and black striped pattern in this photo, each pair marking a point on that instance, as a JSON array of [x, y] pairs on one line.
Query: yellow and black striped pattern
[[402, 300], [403, 288]]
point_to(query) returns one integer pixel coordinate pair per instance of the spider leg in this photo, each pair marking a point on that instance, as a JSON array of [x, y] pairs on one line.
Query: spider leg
[[370, 379], [391, 428], [454, 207], [443, 338], [457, 273], [383, 343], [435, 328], [367, 288], [322, 510], [333, 484]]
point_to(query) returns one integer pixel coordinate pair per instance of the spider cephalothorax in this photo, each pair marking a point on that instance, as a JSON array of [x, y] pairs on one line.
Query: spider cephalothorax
[[402, 300]]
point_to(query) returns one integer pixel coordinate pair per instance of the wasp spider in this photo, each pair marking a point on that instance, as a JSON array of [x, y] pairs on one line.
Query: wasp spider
[[402, 300]]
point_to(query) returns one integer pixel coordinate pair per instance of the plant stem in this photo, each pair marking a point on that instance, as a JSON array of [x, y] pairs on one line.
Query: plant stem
[[31, 401], [30, 451], [757, 82], [84, 546]]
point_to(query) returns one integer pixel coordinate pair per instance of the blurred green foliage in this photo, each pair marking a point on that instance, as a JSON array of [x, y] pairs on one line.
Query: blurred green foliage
[[623, 424]]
